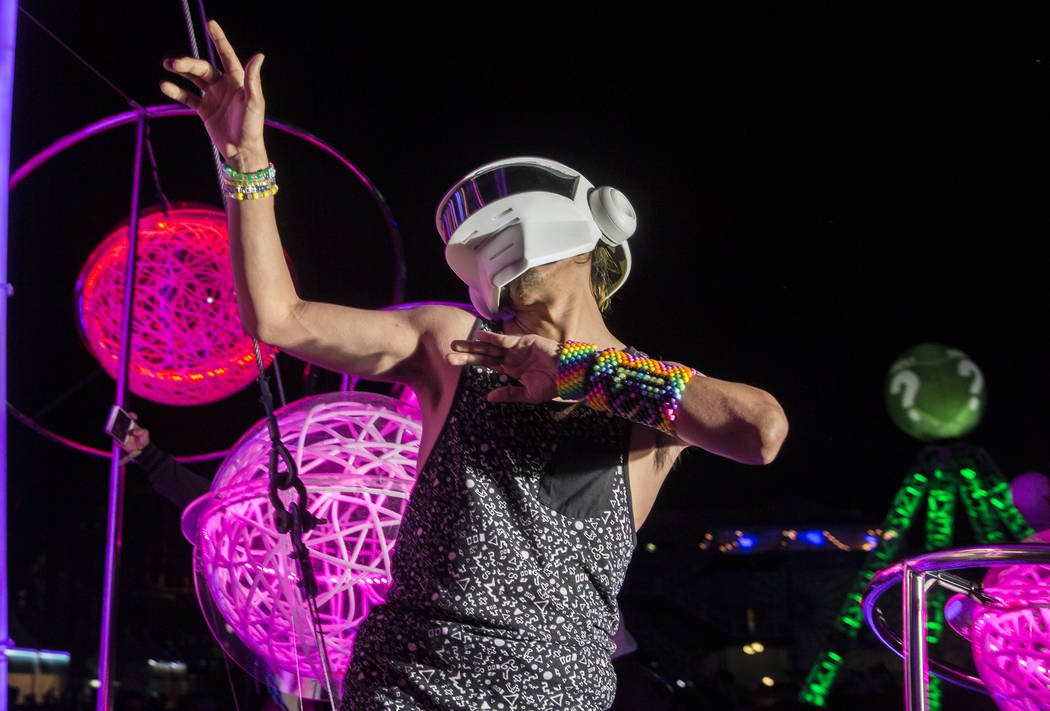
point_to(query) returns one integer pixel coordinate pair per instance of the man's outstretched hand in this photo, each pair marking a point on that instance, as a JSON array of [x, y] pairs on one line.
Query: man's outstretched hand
[[230, 101]]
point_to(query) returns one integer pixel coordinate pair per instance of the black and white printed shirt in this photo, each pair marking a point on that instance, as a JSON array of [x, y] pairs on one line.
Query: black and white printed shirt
[[508, 562]]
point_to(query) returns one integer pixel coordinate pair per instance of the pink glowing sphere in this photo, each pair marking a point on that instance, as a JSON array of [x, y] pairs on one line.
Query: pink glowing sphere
[[356, 454], [1011, 642], [187, 343]]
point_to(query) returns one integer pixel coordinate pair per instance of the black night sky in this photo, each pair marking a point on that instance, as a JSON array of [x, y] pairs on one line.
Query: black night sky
[[818, 190]]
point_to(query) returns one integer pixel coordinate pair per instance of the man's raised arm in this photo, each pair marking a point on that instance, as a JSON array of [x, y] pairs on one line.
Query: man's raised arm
[[231, 105]]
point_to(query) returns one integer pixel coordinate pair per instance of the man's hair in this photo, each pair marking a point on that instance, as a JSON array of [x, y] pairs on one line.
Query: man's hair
[[605, 272]]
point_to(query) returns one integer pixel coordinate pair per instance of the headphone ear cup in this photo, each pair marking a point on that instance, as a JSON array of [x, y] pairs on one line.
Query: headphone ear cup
[[613, 214]]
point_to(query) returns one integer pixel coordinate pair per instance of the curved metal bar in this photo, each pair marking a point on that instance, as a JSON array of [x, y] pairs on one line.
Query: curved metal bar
[[44, 432], [986, 557]]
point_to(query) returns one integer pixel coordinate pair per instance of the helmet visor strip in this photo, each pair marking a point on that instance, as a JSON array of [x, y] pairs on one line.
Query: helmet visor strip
[[480, 189]]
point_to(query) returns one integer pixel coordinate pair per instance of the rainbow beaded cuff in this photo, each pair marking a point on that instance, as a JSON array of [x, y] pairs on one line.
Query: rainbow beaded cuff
[[636, 388], [249, 186], [575, 361]]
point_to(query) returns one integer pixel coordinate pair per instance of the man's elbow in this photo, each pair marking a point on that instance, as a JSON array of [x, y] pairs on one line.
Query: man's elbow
[[772, 430], [269, 327]]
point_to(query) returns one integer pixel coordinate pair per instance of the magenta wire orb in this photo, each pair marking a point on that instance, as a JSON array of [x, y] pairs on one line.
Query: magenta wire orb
[[187, 343], [1011, 646], [356, 454]]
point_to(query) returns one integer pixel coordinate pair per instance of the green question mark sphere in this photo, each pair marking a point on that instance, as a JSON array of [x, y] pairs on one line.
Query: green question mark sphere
[[934, 393]]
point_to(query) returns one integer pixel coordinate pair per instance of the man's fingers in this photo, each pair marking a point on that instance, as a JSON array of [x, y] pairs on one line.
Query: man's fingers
[[253, 78], [177, 93], [222, 45], [478, 347], [500, 339], [473, 359], [197, 71]]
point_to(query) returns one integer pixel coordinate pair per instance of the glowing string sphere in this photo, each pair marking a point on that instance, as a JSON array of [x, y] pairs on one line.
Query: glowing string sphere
[[187, 343], [1011, 646], [356, 454]]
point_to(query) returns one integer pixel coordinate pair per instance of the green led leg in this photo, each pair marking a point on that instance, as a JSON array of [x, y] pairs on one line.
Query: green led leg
[[940, 511], [1001, 500], [934, 692], [934, 633], [978, 510], [817, 685], [894, 527], [821, 677]]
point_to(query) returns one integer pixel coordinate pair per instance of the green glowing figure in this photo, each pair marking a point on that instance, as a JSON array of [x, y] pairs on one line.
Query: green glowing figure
[[936, 395]]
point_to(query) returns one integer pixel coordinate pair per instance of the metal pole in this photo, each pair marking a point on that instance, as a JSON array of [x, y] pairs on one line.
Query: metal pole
[[8, 22], [916, 659], [116, 471]]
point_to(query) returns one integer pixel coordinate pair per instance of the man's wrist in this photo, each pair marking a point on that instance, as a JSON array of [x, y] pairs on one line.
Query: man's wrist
[[248, 161]]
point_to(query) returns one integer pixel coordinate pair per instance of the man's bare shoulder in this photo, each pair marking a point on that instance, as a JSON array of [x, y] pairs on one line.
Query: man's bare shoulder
[[441, 320], [430, 375]]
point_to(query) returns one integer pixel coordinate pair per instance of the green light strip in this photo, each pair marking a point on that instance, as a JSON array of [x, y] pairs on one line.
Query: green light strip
[[894, 528], [818, 683], [975, 502], [934, 693], [850, 620], [940, 511], [1002, 499]]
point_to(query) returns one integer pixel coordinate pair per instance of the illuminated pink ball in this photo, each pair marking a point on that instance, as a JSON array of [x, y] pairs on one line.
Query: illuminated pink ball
[[1031, 495], [356, 454], [1011, 647], [187, 345]]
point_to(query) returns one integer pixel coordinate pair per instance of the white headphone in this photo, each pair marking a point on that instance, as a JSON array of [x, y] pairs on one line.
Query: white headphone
[[613, 214]]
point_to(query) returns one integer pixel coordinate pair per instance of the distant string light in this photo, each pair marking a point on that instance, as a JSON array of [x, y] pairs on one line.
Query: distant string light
[[779, 539]]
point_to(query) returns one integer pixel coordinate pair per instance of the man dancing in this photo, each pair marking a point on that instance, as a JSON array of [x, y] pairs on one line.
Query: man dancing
[[545, 438]]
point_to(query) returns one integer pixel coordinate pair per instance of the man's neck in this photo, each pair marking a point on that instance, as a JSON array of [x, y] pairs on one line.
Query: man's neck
[[570, 316]]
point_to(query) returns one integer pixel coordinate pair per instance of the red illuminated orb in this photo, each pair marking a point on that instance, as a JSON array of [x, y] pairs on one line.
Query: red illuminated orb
[[187, 343]]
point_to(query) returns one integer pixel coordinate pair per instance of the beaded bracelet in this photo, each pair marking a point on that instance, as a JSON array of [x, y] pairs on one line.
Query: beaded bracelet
[[249, 186], [636, 388]]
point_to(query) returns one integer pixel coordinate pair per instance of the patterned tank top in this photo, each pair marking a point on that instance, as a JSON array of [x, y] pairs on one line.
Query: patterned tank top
[[508, 562]]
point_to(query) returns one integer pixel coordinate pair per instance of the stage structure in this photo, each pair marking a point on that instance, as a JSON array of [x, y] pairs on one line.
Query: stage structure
[[8, 22], [356, 456], [150, 113], [140, 116], [936, 395]]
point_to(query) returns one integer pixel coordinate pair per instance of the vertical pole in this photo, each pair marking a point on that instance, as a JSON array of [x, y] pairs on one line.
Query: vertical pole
[[116, 470], [916, 660], [8, 21]]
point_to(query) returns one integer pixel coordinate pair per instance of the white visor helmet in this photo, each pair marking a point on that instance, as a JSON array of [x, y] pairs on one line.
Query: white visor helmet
[[514, 214]]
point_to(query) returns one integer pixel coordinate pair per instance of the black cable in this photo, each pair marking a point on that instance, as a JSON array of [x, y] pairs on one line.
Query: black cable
[[298, 519], [134, 104]]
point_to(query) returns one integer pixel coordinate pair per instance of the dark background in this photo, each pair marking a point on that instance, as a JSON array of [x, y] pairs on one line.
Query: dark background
[[818, 190]]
